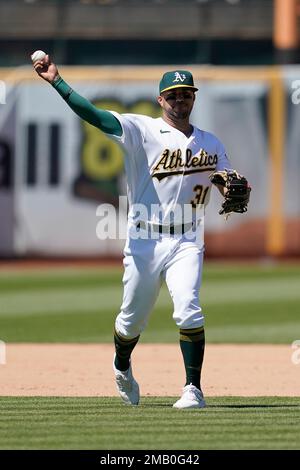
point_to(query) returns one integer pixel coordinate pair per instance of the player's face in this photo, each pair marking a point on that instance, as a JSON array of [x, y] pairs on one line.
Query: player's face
[[177, 103]]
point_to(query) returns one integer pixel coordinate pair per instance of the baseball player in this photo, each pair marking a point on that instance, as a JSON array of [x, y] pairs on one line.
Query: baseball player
[[168, 163]]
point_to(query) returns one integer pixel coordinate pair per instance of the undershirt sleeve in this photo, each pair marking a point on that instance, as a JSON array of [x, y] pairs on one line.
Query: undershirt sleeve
[[103, 120]]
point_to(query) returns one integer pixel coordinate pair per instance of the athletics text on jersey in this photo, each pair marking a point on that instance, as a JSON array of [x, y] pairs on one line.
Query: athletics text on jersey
[[165, 167]]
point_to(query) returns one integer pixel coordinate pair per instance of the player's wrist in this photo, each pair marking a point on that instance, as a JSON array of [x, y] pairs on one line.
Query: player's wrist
[[62, 87], [56, 80]]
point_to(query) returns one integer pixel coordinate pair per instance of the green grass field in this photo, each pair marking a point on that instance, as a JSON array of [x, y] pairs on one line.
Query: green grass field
[[243, 304], [104, 423]]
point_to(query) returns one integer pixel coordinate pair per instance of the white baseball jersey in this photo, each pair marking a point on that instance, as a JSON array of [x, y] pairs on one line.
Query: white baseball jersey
[[166, 168]]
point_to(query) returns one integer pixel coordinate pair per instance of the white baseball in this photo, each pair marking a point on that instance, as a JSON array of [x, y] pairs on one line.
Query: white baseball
[[38, 55]]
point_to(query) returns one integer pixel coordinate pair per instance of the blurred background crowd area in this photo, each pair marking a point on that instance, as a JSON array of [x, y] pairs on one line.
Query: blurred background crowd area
[[85, 32], [55, 170]]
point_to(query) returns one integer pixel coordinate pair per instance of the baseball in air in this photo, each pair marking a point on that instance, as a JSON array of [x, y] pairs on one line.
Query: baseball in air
[[38, 55]]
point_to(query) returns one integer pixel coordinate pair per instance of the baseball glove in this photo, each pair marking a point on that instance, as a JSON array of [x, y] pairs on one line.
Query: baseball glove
[[238, 190]]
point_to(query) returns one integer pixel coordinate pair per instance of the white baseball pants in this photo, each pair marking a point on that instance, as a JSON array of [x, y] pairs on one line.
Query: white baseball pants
[[147, 263]]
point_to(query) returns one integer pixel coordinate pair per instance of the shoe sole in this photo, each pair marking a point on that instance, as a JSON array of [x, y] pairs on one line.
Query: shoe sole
[[190, 407]]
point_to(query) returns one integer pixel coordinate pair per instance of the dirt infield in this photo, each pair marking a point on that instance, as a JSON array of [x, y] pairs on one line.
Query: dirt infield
[[85, 370]]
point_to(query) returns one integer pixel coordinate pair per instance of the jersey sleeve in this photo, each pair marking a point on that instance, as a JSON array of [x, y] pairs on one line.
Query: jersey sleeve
[[133, 132], [223, 160]]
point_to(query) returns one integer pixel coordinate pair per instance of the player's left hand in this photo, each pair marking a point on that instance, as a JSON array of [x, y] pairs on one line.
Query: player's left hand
[[236, 190]]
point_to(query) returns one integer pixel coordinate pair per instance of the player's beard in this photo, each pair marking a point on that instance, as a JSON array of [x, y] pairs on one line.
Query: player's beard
[[180, 114], [183, 114]]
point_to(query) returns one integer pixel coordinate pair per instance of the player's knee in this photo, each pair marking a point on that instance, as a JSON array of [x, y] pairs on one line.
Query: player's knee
[[128, 330], [189, 319]]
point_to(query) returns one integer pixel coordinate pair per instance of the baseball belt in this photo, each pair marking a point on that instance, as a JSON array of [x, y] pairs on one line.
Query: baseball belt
[[166, 229]]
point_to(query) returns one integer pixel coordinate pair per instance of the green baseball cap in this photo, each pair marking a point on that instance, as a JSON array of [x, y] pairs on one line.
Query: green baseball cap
[[176, 79]]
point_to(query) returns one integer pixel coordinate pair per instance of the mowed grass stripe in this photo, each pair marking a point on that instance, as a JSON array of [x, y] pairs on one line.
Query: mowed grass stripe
[[55, 301], [99, 423], [212, 270], [273, 334], [241, 304], [258, 324], [59, 279], [99, 298]]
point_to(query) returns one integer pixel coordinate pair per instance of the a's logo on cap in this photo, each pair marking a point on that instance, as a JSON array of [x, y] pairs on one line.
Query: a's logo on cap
[[179, 77]]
